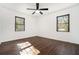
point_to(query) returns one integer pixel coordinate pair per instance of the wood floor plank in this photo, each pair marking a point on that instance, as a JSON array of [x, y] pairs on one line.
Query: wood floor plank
[[44, 45]]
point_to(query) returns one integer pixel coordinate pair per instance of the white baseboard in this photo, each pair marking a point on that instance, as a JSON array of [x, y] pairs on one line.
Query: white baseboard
[[59, 40]]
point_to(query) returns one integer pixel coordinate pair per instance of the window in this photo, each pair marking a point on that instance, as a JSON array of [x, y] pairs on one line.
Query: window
[[19, 23], [63, 23]]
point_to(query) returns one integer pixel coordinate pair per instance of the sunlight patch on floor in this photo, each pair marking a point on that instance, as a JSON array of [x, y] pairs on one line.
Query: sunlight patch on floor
[[27, 49]]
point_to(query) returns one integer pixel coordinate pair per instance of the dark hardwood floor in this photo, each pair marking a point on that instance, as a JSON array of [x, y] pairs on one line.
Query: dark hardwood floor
[[44, 45]]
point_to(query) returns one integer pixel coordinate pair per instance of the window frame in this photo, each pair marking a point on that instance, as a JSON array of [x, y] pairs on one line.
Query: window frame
[[63, 23], [20, 24]]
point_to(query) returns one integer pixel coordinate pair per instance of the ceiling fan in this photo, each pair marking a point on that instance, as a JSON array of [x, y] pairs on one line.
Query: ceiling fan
[[38, 10]]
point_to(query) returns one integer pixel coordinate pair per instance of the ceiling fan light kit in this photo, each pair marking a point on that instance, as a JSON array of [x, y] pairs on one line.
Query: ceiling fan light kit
[[37, 10]]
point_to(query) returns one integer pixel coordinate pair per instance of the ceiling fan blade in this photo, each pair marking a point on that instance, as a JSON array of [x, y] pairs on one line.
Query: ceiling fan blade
[[33, 12], [37, 6], [40, 12], [30, 9], [43, 9]]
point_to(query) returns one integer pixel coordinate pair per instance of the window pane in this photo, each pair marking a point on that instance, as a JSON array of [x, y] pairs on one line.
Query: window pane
[[62, 27], [19, 21], [20, 28]]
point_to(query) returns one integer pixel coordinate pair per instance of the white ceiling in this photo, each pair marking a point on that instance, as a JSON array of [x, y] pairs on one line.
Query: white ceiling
[[21, 7]]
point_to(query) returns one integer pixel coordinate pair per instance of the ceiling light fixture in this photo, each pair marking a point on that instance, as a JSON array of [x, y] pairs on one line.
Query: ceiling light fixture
[[37, 11]]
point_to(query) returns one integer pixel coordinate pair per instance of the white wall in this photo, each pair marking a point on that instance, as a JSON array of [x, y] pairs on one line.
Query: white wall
[[44, 26], [47, 25], [7, 25], [1, 30]]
